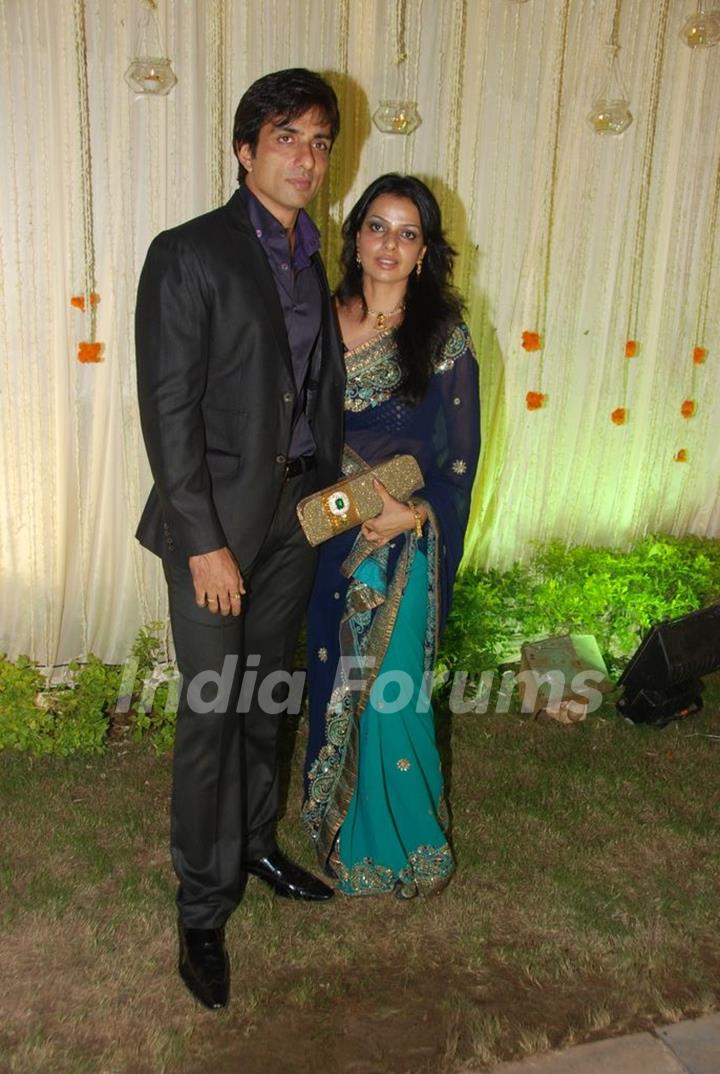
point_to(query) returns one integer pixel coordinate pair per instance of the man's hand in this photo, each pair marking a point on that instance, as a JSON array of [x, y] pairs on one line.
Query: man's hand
[[396, 517], [218, 582]]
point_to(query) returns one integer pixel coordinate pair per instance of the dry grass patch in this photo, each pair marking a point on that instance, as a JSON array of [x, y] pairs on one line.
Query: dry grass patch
[[584, 905]]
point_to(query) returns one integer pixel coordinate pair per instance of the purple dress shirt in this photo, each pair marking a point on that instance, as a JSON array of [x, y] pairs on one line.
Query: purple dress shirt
[[299, 293]]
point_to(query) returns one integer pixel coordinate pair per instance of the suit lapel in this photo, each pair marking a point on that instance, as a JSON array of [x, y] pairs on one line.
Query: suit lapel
[[257, 269], [326, 361], [330, 350]]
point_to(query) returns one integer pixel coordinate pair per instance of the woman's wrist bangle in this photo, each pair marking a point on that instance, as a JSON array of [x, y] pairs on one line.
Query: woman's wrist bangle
[[416, 515]]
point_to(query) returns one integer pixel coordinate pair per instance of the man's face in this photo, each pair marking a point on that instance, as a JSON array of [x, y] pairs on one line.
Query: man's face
[[289, 164]]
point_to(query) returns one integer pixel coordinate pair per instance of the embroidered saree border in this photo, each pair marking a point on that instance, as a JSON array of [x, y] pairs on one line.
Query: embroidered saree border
[[427, 873], [376, 646], [333, 776]]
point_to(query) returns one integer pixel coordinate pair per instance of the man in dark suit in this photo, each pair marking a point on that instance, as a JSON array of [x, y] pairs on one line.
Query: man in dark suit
[[240, 382]]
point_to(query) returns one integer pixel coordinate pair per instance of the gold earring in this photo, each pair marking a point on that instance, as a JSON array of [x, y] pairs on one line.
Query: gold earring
[[418, 266], [357, 258]]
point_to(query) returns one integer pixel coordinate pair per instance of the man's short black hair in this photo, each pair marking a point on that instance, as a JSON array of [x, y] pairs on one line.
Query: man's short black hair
[[281, 97]]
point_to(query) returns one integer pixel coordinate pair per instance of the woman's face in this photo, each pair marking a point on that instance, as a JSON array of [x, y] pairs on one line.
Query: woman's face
[[390, 239]]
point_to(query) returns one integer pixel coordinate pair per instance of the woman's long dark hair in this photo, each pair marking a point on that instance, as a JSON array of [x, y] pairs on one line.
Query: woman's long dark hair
[[432, 306]]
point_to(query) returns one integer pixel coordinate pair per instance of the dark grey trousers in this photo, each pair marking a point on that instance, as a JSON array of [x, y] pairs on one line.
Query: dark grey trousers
[[225, 777]]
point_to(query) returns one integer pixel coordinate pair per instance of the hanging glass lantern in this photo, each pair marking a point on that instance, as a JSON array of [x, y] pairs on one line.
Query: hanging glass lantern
[[610, 116], [610, 112], [150, 72], [397, 117], [701, 30]]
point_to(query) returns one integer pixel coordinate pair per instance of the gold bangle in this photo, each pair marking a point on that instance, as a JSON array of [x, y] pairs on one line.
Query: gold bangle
[[416, 515]]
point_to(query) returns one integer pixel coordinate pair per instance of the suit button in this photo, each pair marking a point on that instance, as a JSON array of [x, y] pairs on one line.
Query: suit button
[[281, 459], [288, 397]]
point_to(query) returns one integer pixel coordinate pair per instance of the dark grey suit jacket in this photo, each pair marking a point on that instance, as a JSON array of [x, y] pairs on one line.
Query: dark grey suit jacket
[[216, 388]]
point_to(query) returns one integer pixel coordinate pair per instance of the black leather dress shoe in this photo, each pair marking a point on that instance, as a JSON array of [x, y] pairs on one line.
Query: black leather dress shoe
[[204, 965], [289, 879]]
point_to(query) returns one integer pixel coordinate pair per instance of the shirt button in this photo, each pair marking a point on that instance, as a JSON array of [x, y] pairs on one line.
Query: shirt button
[[284, 266], [287, 397], [258, 232], [281, 459]]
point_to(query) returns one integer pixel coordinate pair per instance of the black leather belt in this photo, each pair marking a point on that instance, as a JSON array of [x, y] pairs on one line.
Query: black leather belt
[[301, 465]]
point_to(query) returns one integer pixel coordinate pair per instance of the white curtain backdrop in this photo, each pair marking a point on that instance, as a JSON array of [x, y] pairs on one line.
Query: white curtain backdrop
[[588, 241]]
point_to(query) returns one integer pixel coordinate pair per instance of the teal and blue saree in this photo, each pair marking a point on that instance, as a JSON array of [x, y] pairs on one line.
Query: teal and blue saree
[[374, 801]]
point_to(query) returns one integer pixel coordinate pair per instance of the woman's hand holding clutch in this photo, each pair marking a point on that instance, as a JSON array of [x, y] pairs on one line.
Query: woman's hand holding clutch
[[395, 518]]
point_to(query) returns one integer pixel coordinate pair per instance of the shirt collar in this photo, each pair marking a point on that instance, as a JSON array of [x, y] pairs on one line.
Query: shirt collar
[[267, 227]]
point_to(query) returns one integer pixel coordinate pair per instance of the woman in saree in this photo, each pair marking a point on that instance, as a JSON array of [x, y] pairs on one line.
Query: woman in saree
[[374, 801]]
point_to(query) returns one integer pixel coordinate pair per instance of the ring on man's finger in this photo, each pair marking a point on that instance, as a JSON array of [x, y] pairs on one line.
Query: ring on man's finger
[[237, 596]]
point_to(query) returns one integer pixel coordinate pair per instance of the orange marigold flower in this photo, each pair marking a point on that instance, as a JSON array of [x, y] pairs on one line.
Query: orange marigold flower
[[688, 408], [619, 416], [531, 341], [78, 301], [631, 348], [90, 352], [534, 400], [681, 455], [699, 355]]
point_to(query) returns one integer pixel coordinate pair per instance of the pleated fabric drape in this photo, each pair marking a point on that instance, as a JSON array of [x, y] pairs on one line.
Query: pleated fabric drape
[[589, 264]]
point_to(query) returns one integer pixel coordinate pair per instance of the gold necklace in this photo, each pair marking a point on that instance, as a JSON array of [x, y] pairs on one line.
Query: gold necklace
[[381, 316]]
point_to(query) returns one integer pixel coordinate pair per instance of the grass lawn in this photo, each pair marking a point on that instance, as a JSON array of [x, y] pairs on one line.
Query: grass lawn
[[585, 905]]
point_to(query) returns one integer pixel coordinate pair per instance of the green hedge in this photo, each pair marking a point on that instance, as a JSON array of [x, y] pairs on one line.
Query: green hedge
[[614, 595], [88, 707]]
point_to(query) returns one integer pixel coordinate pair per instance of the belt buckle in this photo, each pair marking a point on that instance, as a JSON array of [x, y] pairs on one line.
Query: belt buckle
[[299, 465]]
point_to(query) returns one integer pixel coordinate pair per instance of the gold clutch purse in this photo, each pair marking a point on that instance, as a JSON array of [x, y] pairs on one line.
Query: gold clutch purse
[[353, 499]]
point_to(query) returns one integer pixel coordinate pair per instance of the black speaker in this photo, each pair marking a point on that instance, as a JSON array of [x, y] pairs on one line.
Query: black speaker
[[662, 680]]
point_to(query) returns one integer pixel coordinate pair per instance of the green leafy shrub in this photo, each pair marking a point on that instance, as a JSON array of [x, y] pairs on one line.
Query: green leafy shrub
[[153, 713], [617, 596], [614, 595], [63, 719], [79, 713], [80, 707], [25, 721], [154, 699]]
